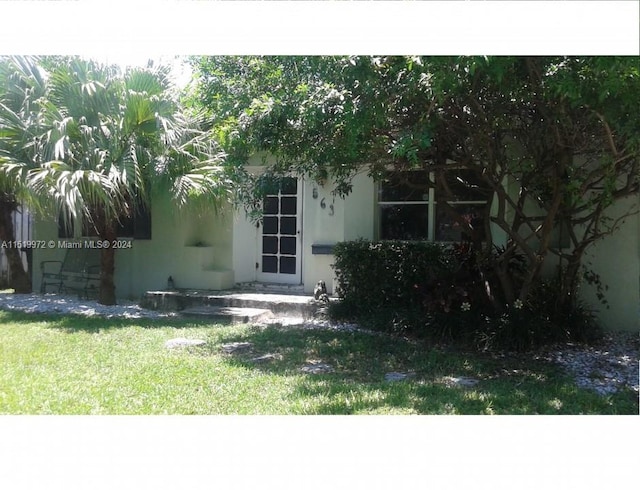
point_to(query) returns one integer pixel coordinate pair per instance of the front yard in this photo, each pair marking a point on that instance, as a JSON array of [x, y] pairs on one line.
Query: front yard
[[54, 364]]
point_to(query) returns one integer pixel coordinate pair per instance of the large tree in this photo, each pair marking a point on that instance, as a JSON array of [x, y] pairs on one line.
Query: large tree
[[554, 140], [112, 141], [22, 86]]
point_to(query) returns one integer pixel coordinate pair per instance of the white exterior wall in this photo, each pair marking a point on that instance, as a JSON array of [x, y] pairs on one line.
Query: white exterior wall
[[323, 224], [326, 220], [617, 260], [245, 248], [171, 252], [350, 218], [215, 251]]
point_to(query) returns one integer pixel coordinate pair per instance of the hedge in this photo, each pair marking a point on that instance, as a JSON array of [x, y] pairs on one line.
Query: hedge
[[438, 291], [390, 274]]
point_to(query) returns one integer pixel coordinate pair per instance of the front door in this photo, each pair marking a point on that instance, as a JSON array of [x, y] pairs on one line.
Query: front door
[[279, 237]]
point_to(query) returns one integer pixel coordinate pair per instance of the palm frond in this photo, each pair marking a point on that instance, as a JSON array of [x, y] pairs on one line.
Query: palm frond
[[94, 138]]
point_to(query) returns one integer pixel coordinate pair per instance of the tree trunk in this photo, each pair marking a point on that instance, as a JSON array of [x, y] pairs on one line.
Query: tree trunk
[[570, 277], [19, 279], [506, 281], [107, 294]]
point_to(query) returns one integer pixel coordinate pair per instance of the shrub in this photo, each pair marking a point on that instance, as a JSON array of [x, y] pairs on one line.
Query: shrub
[[388, 275], [436, 291], [572, 319]]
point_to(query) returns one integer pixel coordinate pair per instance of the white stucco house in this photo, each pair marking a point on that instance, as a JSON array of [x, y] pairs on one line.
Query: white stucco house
[[292, 246]]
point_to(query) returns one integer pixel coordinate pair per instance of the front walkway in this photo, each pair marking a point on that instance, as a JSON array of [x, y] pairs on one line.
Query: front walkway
[[210, 303], [71, 304]]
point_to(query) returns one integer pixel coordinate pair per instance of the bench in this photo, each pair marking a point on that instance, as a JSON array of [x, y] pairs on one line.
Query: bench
[[79, 272]]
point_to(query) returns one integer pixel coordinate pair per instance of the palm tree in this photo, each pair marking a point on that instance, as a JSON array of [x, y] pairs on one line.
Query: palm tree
[[113, 140], [22, 86]]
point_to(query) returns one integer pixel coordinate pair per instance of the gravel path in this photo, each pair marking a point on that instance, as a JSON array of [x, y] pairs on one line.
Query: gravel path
[[606, 367], [56, 303], [610, 365]]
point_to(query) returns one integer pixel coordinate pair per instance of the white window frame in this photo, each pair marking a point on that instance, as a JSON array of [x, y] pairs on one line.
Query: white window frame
[[431, 204]]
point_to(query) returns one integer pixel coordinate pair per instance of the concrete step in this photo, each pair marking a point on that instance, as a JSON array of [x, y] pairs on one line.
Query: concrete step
[[270, 288], [278, 304], [229, 314]]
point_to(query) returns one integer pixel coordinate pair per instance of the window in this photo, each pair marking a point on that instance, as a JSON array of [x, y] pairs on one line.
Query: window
[[410, 209], [137, 226], [403, 200]]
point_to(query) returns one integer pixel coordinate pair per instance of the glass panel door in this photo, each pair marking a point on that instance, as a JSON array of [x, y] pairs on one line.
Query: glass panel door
[[279, 240]]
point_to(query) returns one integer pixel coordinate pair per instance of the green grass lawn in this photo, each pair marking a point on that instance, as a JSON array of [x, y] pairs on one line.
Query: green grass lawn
[[77, 365]]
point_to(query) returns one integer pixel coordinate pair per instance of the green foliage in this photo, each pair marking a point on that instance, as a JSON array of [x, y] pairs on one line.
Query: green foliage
[[341, 111], [438, 292], [561, 131], [308, 112], [86, 140], [542, 320], [99, 141], [22, 86], [385, 275]]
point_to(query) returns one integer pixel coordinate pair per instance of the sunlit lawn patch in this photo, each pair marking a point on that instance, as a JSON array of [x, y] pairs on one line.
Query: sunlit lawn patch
[[75, 365]]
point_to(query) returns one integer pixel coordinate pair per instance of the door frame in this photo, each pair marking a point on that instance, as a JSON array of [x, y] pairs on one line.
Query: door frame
[[277, 277]]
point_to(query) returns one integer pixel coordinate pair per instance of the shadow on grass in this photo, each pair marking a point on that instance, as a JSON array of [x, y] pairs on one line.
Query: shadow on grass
[[359, 355], [359, 362], [95, 324]]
